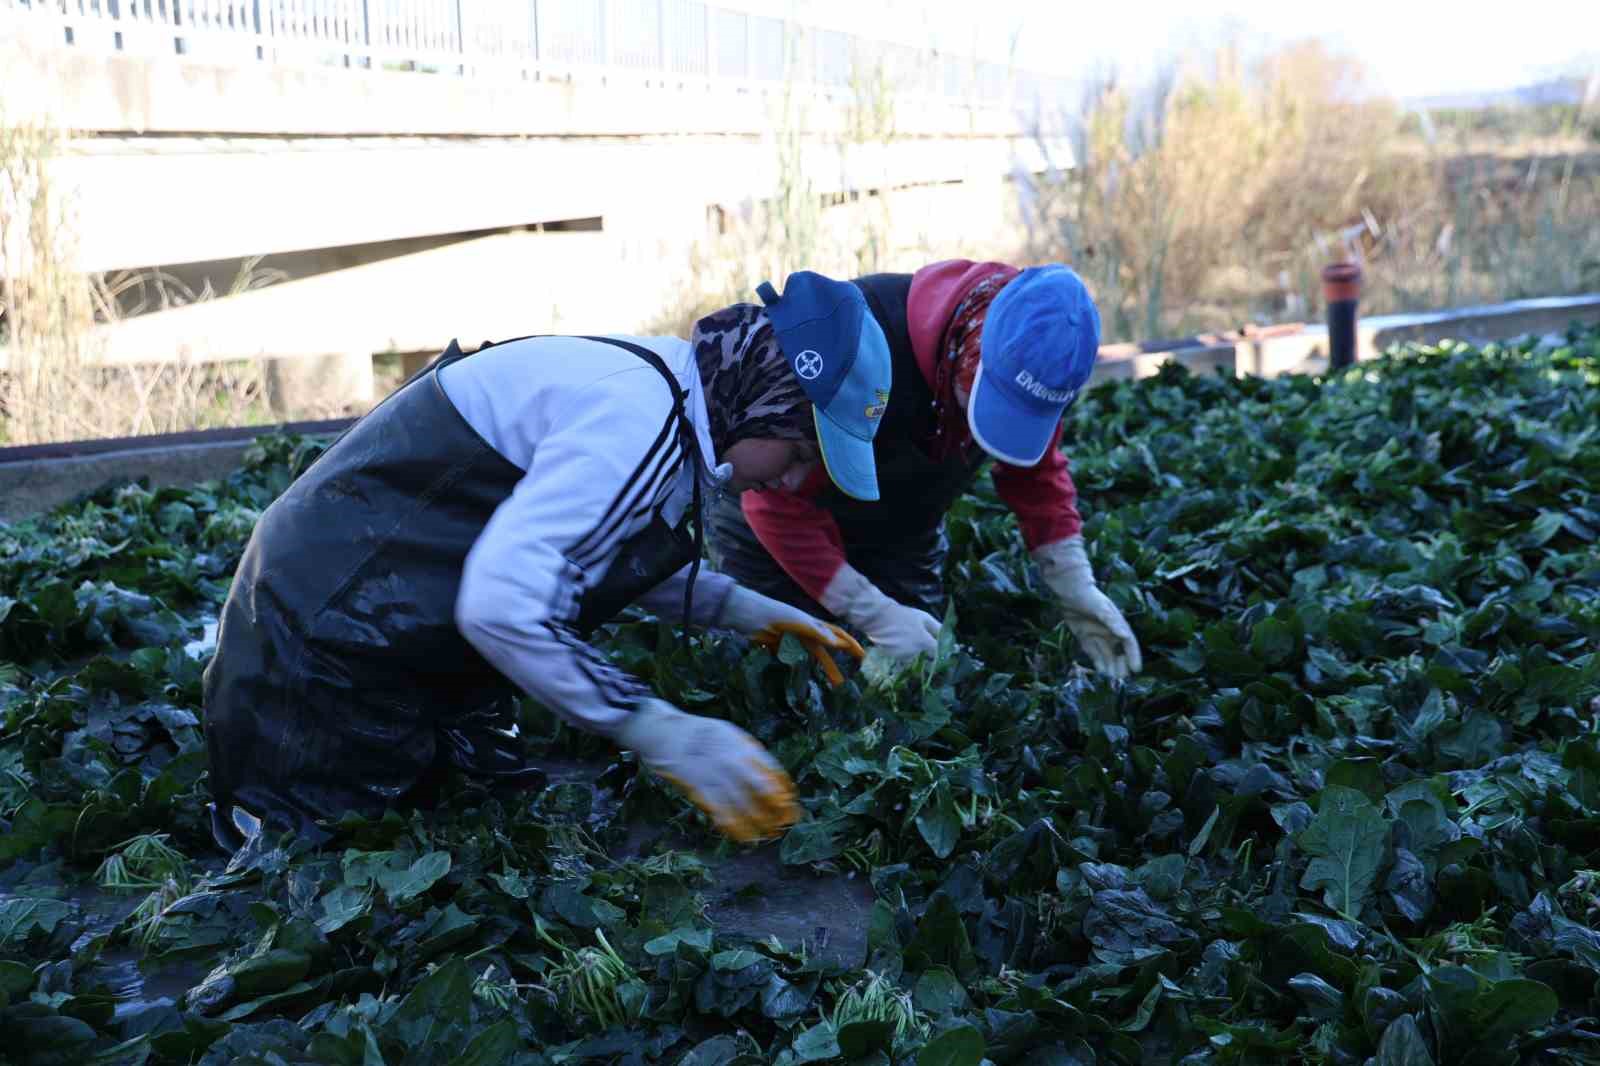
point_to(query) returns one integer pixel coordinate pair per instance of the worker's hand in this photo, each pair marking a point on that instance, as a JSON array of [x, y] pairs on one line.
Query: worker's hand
[[902, 632], [1092, 617], [765, 621], [722, 769]]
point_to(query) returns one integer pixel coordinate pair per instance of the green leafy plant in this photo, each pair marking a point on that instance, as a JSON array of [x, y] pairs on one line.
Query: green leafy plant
[[596, 982], [1349, 811]]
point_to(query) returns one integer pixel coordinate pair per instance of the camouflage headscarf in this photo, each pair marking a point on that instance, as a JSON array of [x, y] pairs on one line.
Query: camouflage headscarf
[[750, 389]]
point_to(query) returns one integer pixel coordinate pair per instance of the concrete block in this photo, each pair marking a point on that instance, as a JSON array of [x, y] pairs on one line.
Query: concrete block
[[1273, 356], [1129, 362], [1479, 324], [411, 362], [33, 486], [489, 288], [1112, 368], [320, 386], [1202, 360]]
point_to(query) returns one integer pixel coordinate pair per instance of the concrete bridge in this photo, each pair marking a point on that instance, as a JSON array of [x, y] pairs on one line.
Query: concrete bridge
[[423, 169]]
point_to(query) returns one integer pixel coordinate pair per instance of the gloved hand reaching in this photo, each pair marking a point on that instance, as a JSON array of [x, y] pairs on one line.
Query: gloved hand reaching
[[765, 621], [902, 632], [722, 769], [1090, 614]]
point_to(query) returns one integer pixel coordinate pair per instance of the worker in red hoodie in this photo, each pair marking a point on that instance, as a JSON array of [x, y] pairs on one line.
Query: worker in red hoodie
[[985, 359]]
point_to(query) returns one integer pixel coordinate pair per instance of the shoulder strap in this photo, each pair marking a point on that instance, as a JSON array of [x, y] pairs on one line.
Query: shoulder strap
[[691, 447]]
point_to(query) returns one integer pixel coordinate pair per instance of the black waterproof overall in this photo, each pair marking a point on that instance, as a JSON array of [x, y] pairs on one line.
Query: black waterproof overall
[[898, 541], [340, 681]]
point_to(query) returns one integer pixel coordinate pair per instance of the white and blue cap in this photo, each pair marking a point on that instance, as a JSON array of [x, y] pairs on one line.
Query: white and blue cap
[[839, 353], [1039, 342]]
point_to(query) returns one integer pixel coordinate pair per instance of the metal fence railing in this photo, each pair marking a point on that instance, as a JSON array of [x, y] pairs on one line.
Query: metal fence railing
[[657, 41]]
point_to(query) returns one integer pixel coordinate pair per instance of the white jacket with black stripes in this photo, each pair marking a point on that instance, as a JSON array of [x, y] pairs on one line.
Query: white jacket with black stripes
[[588, 423]]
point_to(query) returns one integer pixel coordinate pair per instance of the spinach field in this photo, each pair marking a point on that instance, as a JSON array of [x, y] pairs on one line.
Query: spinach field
[[1349, 813]]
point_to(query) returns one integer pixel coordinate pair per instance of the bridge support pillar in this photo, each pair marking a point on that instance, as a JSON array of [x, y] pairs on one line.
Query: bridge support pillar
[[320, 386]]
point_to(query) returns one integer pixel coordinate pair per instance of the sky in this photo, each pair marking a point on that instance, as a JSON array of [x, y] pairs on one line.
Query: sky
[[1410, 48]]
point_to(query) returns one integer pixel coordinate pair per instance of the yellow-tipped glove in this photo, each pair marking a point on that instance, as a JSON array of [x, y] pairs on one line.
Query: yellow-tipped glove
[[765, 620], [722, 769]]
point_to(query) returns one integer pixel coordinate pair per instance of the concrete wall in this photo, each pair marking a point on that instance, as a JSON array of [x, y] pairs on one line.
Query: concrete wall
[[629, 276], [1304, 349], [37, 478], [153, 201], [31, 482]]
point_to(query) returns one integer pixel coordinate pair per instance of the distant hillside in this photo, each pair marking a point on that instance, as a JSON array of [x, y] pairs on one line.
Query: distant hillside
[[1559, 91]]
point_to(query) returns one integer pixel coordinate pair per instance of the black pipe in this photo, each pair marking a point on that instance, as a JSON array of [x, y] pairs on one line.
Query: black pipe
[[1341, 291]]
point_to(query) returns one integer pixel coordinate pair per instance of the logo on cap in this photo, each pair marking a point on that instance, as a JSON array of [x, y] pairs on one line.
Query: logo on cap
[[875, 410], [1035, 387], [808, 364]]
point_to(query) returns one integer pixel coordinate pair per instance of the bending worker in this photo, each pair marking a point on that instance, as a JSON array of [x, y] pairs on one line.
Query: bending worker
[[454, 549], [985, 361]]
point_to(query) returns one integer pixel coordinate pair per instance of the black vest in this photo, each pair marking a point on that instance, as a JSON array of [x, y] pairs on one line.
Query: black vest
[[914, 491], [338, 656]]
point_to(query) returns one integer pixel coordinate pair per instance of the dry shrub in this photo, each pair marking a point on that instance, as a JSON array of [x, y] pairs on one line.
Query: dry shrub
[[795, 227], [54, 385], [767, 241], [1213, 199], [182, 394], [1191, 202], [1494, 228], [46, 307], [843, 237]]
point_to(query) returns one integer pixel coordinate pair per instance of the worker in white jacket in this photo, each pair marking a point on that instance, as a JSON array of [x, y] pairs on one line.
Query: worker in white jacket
[[456, 547]]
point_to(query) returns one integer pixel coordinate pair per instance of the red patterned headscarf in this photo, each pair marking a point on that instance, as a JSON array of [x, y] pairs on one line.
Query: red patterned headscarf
[[957, 365]]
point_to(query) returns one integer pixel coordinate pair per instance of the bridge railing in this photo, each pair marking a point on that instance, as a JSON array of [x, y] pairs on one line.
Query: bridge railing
[[655, 41]]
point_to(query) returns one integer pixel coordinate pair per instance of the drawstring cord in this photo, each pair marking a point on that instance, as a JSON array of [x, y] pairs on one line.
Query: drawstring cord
[[699, 525]]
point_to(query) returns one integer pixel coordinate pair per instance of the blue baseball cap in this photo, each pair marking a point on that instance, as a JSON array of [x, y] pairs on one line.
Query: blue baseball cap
[[839, 353], [1038, 347]]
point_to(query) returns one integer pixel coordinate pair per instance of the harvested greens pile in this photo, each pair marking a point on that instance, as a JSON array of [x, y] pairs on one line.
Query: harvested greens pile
[[1349, 813]]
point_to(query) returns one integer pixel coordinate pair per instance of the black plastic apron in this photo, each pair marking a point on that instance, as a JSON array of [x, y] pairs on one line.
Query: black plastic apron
[[340, 681], [897, 541]]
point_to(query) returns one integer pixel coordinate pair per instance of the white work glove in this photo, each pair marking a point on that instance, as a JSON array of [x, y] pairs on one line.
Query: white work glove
[[1091, 616], [765, 620], [902, 632], [722, 769]]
